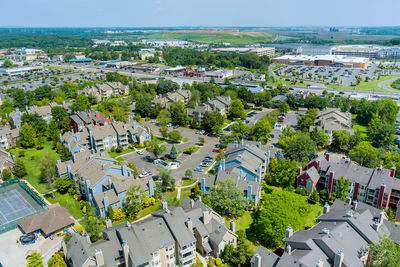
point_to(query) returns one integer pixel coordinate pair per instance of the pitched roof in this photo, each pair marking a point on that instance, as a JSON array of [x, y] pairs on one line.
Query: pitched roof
[[49, 221]]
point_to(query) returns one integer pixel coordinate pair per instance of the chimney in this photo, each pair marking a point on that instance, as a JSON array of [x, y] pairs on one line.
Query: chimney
[[376, 226], [106, 202], [318, 165], [189, 224], [348, 200], [288, 249], [73, 157], [380, 168], [164, 204], [206, 216], [99, 257], [235, 144], [382, 215], [223, 164], [232, 226], [259, 145], [125, 249], [299, 170], [192, 203], [203, 185], [257, 260], [392, 171], [249, 192], [88, 239], [289, 232], [327, 208], [108, 223], [339, 256], [330, 181], [124, 170], [327, 156], [60, 138], [320, 263], [199, 198], [58, 161], [355, 204], [242, 142]]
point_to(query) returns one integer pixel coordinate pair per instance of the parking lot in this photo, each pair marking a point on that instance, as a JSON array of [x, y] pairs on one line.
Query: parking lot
[[330, 75], [145, 162]]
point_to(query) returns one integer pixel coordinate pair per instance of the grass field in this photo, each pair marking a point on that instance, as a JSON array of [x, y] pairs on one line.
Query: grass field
[[366, 86], [244, 223], [68, 202], [31, 159], [214, 36]]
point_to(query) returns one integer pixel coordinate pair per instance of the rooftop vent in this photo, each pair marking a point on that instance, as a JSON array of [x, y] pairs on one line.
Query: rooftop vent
[[325, 231], [349, 213]]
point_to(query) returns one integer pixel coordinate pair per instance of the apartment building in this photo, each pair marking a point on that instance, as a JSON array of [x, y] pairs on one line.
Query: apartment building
[[219, 104], [331, 120], [340, 238], [8, 136], [375, 186], [246, 163], [166, 100], [106, 90], [168, 238]]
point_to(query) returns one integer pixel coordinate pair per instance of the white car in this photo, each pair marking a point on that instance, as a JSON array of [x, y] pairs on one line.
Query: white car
[[169, 125], [144, 174], [204, 164], [140, 152]]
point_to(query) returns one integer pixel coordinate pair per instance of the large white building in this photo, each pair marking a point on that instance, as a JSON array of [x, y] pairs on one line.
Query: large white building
[[323, 60], [260, 51], [164, 42], [20, 70], [369, 51]]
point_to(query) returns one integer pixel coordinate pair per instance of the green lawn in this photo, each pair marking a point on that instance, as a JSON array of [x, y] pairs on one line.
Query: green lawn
[[31, 159], [184, 140], [213, 36], [187, 182], [170, 197], [366, 86], [68, 202], [147, 211], [125, 151], [362, 129], [244, 223]]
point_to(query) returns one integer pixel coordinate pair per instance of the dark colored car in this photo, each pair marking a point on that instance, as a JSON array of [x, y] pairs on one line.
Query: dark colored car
[[187, 152]]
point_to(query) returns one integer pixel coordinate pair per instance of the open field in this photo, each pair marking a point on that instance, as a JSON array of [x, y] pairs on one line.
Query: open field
[[366, 86], [215, 36], [67, 201], [31, 159]]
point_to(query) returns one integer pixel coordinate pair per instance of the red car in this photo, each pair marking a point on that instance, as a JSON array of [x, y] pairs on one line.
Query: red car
[[217, 150]]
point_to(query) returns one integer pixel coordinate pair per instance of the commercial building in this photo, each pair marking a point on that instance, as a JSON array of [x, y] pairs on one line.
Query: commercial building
[[164, 42], [168, 238], [369, 51], [374, 186], [340, 238], [324, 60], [20, 70], [259, 51]]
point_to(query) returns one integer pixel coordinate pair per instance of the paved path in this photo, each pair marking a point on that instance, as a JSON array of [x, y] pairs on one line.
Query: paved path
[[178, 195], [384, 83], [202, 259], [31, 187]]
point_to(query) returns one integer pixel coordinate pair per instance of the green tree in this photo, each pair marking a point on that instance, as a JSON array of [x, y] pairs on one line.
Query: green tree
[[228, 252], [81, 103], [341, 140], [134, 201], [212, 122], [47, 168], [57, 261], [240, 129], [195, 192], [27, 135], [188, 173], [243, 253], [6, 174], [164, 131], [262, 129], [283, 107], [299, 147], [314, 197], [93, 226], [61, 117], [236, 110], [167, 182], [227, 199], [175, 136], [319, 137], [342, 188], [173, 154], [164, 116], [67, 237], [63, 184], [385, 253], [282, 172], [110, 213], [132, 166], [365, 154], [7, 63], [202, 141], [157, 149], [178, 113], [381, 134], [35, 260], [19, 168], [308, 120]]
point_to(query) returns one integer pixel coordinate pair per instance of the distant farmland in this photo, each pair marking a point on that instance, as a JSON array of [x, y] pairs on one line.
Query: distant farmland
[[214, 36]]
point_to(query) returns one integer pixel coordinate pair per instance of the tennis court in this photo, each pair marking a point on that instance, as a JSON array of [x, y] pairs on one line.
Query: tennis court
[[13, 206]]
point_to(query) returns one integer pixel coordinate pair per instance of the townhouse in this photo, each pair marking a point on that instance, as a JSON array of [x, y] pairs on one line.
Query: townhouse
[[375, 186], [106, 90], [219, 104], [340, 238], [167, 99], [6, 161], [168, 238], [332, 119], [245, 163], [101, 180], [8, 136]]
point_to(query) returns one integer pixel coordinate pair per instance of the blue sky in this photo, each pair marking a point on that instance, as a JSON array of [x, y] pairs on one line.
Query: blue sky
[[157, 13]]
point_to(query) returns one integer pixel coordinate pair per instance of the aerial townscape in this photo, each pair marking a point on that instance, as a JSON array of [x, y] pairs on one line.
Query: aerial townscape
[[132, 137]]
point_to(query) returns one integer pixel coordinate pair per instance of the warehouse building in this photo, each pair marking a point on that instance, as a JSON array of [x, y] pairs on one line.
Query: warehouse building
[[369, 51], [259, 51], [324, 60]]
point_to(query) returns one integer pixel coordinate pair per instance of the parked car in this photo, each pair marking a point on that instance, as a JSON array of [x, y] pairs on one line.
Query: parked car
[[204, 164], [144, 174], [169, 125], [176, 126], [187, 152], [140, 152], [155, 177], [198, 169], [164, 158], [217, 150]]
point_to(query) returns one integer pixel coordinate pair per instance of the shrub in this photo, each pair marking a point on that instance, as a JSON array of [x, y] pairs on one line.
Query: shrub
[[6, 174], [79, 228], [119, 214], [302, 191], [218, 261]]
